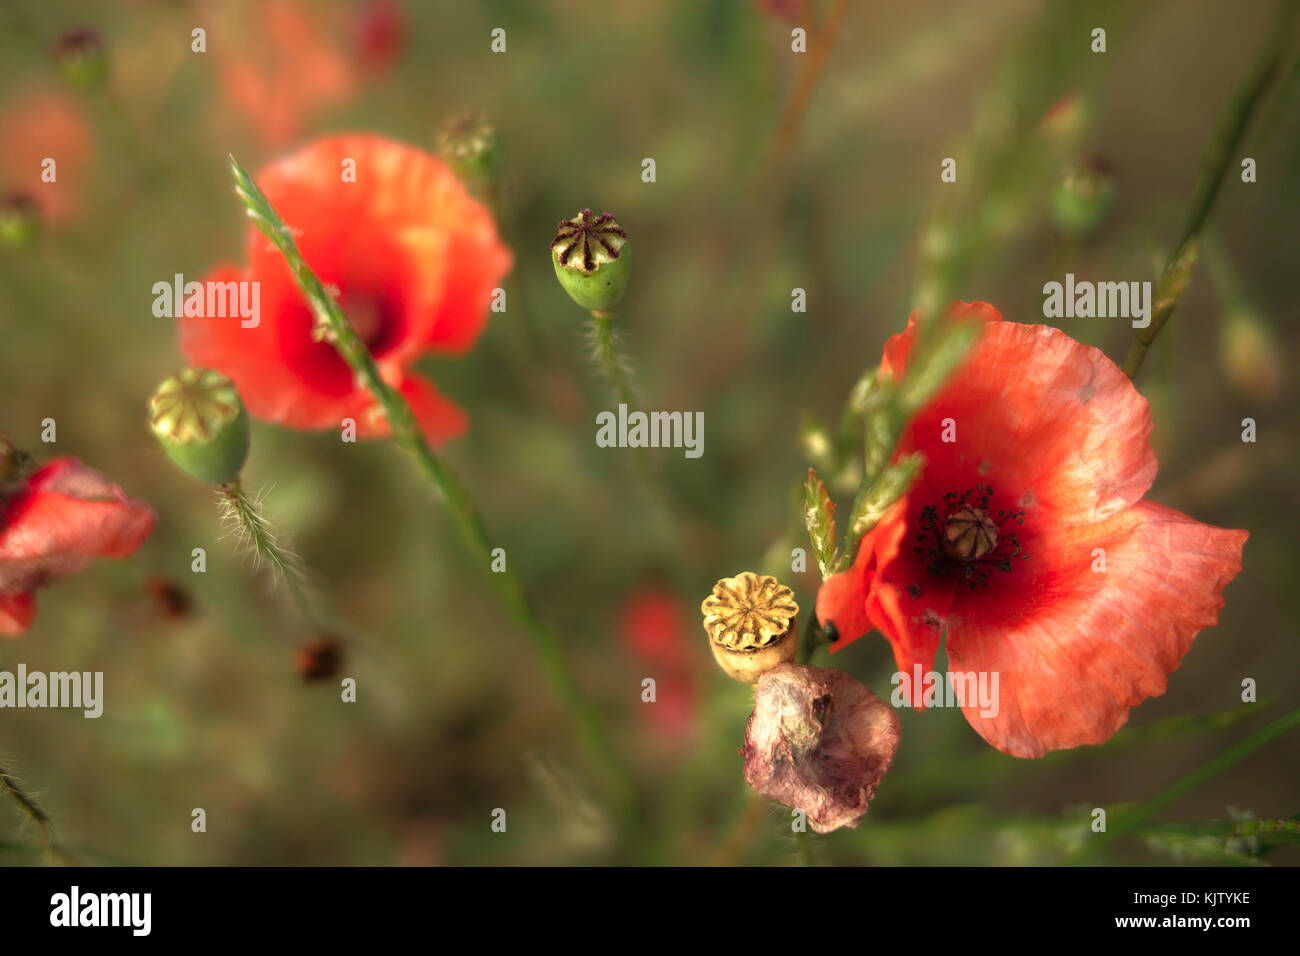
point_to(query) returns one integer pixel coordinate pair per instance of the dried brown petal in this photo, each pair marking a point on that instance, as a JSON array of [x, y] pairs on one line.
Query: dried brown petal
[[818, 741]]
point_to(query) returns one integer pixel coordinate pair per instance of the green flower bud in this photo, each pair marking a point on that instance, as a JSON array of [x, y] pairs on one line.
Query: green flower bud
[[1251, 356], [200, 421], [14, 465], [81, 59], [469, 144], [1084, 196], [20, 220], [591, 259]]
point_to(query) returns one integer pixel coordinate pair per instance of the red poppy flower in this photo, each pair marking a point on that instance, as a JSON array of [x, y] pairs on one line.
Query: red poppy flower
[[413, 259], [54, 525], [1026, 538]]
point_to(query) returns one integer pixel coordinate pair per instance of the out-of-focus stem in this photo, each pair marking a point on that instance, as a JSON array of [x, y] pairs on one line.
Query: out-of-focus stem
[[1218, 157], [446, 485], [820, 45]]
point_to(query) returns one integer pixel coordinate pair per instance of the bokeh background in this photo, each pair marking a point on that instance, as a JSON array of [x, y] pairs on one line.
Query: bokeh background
[[754, 196]]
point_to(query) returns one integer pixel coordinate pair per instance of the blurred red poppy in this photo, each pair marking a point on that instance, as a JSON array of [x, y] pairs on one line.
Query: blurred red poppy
[[279, 65], [412, 258], [653, 630], [53, 525], [1027, 539], [37, 126]]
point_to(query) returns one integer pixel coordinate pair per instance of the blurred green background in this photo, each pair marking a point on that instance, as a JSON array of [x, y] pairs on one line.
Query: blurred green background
[[453, 716]]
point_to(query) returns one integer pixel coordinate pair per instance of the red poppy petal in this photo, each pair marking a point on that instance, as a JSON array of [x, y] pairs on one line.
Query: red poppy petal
[[1085, 646], [1055, 423], [67, 515], [841, 601], [16, 613], [440, 418], [904, 601]]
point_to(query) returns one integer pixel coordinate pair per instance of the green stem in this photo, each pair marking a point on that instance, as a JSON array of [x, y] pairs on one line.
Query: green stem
[[334, 326], [1145, 811], [1219, 156], [613, 363]]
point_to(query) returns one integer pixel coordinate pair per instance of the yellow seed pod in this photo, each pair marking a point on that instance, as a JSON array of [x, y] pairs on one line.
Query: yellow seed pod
[[751, 623]]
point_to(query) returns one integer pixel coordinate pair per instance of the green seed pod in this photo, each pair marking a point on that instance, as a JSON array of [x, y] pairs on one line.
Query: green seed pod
[[20, 220], [200, 421], [80, 57], [469, 144], [591, 259], [1082, 199]]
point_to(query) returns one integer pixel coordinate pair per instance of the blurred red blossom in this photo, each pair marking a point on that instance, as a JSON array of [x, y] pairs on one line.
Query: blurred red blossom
[[52, 525], [379, 30], [279, 63], [1026, 538], [653, 629], [45, 124], [412, 258]]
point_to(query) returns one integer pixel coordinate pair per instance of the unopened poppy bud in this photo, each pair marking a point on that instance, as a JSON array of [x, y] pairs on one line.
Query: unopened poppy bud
[[469, 144], [751, 623], [20, 220], [1084, 196], [80, 57], [591, 259], [13, 463], [200, 421], [1250, 355]]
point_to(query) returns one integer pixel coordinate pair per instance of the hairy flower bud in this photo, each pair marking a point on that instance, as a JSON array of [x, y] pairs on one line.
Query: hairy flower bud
[[469, 144], [818, 741], [750, 620], [1084, 196], [20, 220], [591, 259], [80, 57], [199, 419]]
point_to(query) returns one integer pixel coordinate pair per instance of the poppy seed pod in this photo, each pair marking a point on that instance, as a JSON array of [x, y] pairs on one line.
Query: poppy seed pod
[[591, 259], [750, 620], [199, 419]]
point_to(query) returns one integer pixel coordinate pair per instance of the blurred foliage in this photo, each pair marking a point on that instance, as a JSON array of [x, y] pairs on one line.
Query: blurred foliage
[[453, 718]]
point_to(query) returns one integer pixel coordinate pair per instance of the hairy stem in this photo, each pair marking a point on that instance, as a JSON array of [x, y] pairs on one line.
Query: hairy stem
[[613, 363], [33, 811]]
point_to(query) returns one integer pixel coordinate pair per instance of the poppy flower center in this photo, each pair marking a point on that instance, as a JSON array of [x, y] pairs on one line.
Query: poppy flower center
[[969, 534], [966, 536], [371, 319]]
